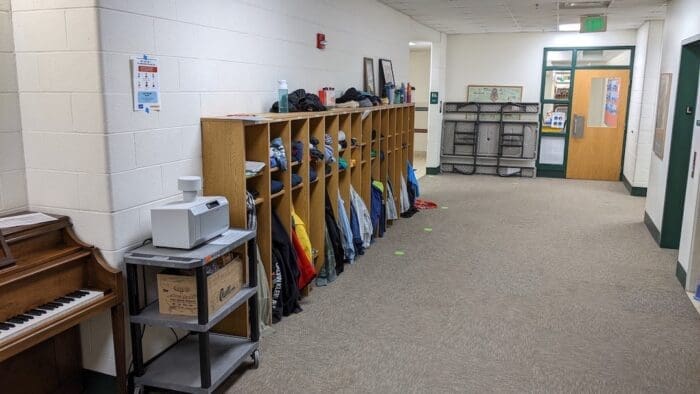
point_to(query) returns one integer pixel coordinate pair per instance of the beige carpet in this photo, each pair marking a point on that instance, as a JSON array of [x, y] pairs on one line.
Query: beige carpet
[[522, 286]]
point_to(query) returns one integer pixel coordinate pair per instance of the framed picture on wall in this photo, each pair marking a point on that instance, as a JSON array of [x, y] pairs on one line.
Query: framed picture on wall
[[368, 66], [662, 115], [386, 74], [495, 93]]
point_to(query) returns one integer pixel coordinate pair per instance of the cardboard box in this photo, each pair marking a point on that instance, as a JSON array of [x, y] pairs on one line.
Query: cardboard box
[[177, 294]]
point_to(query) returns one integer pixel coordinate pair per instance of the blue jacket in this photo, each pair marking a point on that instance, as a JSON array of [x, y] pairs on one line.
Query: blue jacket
[[356, 235], [346, 231], [376, 209]]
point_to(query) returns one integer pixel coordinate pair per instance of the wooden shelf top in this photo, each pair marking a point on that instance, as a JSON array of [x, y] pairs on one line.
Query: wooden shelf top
[[274, 169], [279, 193], [267, 117], [329, 174], [299, 186], [295, 163], [259, 201]]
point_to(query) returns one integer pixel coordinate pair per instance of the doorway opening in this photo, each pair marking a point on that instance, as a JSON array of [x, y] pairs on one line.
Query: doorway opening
[[584, 99], [681, 140], [419, 77]]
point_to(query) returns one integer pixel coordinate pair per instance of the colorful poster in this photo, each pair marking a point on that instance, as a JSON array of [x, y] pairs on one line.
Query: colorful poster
[[612, 95], [146, 83]]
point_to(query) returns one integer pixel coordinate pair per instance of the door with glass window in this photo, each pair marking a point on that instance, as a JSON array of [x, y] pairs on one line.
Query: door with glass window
[[597, 128]]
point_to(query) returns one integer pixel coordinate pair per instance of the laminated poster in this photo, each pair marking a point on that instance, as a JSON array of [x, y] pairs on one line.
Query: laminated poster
[[146, 84]]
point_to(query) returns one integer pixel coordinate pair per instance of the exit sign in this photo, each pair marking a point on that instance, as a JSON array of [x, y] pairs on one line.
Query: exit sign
[[594, 23]]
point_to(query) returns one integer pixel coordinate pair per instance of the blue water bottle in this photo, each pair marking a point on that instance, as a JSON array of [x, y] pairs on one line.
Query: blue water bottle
[[282, 93]]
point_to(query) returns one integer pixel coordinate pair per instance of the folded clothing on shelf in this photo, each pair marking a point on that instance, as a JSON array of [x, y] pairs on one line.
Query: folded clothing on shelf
[[253, 168], [276, 186], [329, 148], [297, 151], [342, 163], [277, 153], [296, 179]]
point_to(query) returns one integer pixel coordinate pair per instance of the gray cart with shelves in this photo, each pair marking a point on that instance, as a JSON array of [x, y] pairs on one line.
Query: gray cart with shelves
[[217, 355]]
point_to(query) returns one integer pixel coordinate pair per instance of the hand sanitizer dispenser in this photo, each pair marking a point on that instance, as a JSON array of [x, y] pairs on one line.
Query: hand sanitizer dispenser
[[190, 222]]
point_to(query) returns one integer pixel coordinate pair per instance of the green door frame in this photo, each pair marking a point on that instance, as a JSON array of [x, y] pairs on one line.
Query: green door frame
[[559, 170], [681, 140]]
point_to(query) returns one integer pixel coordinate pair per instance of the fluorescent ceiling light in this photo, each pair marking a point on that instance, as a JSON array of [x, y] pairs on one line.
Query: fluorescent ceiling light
[[570, 27], [411, 43]]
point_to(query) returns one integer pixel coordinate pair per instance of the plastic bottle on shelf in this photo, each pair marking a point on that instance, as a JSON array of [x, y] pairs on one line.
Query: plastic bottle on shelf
[[283, 96]]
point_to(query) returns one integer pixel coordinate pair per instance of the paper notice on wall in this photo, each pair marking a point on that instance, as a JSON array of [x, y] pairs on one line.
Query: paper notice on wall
[[146, 83]]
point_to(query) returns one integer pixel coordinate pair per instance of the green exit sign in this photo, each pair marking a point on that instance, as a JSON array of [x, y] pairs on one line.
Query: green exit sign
[[594, 23]]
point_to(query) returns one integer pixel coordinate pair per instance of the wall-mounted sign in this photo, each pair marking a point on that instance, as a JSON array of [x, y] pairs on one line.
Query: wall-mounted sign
[[433, 97], [146, 84]]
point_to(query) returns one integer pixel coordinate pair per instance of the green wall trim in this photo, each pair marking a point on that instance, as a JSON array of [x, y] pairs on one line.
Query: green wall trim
[[681, 140], [680, 274], [432, 170], [653, 230], [545, 173], [634, 190]]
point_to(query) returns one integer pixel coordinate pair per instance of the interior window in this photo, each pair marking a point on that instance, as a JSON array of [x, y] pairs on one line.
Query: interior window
[[603, 102], [603, 57]]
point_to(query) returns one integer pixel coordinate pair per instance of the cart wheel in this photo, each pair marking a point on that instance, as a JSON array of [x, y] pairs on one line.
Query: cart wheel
[[256, 358]]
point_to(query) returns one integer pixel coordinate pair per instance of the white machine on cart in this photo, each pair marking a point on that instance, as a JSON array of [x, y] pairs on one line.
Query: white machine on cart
[[192, 221]]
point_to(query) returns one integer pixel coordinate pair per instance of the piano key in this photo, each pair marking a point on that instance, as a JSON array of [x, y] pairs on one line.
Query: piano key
[[35, 312], [77, 294], [50, 311]]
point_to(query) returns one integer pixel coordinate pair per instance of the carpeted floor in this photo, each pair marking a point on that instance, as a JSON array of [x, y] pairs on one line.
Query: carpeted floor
[[523, 285]]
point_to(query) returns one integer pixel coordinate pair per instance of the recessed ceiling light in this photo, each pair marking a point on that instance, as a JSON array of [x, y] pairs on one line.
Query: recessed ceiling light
[[582, 5], [570, 27], [411, 43]]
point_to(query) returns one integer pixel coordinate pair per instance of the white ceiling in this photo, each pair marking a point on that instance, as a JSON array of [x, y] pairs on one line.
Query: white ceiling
[[501, 16]]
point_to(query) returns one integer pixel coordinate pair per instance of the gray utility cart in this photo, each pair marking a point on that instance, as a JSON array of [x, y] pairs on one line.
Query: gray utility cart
[[217, 355]]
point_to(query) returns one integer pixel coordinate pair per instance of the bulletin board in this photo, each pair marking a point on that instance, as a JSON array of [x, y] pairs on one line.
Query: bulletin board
[[494, 93]]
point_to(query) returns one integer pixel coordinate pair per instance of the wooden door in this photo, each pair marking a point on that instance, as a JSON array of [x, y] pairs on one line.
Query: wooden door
[[599, 108]]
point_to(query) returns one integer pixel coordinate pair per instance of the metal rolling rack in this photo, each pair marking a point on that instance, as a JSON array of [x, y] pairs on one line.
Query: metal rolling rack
[[217, 355], [490, 138]]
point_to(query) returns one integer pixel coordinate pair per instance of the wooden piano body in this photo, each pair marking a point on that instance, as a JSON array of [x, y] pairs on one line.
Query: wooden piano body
[[48, 261]]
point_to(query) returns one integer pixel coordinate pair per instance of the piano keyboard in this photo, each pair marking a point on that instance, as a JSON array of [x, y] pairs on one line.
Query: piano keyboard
[[61, 306]]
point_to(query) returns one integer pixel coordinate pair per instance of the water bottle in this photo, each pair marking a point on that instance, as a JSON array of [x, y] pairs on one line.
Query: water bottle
[[282, 93]]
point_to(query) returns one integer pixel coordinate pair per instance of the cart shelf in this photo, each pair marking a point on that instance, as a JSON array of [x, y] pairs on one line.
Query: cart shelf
[[173, 370], [151, 316]]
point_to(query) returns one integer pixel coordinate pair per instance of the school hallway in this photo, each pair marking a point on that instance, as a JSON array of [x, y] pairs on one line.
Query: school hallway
[[523, 285]]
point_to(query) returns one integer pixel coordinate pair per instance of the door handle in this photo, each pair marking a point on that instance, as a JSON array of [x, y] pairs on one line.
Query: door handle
[[579, 122]]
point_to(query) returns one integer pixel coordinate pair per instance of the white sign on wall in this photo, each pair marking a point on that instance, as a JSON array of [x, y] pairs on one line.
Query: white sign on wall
[[146, 84]]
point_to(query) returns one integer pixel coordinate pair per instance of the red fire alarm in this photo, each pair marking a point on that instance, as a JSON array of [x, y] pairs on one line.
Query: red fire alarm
[[320, 41]]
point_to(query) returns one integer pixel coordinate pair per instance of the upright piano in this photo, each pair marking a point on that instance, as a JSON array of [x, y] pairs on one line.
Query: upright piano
[[50, 282]]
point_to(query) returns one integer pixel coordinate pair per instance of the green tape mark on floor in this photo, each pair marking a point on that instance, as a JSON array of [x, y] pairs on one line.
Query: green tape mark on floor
[[399, 253], [428, 229]]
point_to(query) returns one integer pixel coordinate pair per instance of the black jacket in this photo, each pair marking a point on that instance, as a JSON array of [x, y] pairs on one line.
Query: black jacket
[[283, 253]]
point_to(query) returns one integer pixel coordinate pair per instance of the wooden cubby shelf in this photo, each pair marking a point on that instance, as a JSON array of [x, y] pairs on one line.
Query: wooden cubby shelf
[[278, 194], [228, 142]]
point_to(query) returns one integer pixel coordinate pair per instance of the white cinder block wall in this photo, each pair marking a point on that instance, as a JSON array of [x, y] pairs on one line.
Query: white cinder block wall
[[88, 155], [13, 189], [643, 98], [681, 23]]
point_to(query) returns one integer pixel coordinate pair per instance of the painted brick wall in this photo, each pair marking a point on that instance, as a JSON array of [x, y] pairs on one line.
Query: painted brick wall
[[643, 97], [13, 189], [88, 155]]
